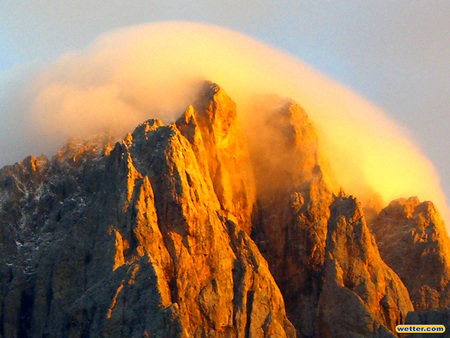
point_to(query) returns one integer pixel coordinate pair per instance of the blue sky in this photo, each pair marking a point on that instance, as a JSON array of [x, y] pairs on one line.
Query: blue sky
[[395, 53]]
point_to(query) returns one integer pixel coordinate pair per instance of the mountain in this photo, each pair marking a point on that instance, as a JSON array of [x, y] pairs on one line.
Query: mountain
[[305, 228], [196, 229], [413, 241]]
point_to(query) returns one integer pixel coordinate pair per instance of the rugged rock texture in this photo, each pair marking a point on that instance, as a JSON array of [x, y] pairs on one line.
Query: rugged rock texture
[[145, 239], [318, 246], [183, 230], [413, 241], [356, 278], [211, 127], [294, 196]]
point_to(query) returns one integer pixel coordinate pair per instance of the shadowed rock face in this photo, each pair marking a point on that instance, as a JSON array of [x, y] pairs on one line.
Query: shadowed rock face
[[318, 246], [294, 196], [185, 230], [413, 241]]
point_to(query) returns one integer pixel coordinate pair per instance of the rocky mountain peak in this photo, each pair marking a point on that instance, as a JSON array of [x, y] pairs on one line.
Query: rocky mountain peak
[[285, 144], [376, 295], [18, 181], [81, 149], [196, 228], [412, 237], [151, 237], [144, 128], [211, 125], [315, 237]]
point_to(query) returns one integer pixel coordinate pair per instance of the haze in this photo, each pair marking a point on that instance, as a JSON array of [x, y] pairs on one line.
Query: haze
[[153, 70]]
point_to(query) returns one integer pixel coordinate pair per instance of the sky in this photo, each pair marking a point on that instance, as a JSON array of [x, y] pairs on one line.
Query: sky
[[394, 53]]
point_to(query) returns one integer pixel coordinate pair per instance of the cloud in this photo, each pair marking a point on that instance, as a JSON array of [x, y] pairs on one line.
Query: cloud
[[153, 70]]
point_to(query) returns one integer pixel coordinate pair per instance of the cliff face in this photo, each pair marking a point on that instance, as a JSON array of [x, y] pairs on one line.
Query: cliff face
[[185, 230], [413, 241], [318, 246], [293, 198], [146, 238], [360, 292]]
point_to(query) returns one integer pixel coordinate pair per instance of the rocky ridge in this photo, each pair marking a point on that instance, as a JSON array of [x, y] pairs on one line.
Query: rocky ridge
[[146, 237], [316, 241], [182, 230], [413, 241]]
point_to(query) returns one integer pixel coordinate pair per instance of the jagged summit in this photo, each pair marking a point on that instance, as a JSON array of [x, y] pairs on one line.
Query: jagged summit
[[355, 277], [301, 219], [412, 237], [225, 157], [195, 228]]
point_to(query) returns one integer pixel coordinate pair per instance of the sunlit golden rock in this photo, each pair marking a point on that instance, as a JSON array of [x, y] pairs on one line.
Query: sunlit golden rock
[[196, 229], [360, 292]]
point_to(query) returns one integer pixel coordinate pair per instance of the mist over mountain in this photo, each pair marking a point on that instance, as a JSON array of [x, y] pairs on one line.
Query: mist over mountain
[[199, 228], [156, 70]]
